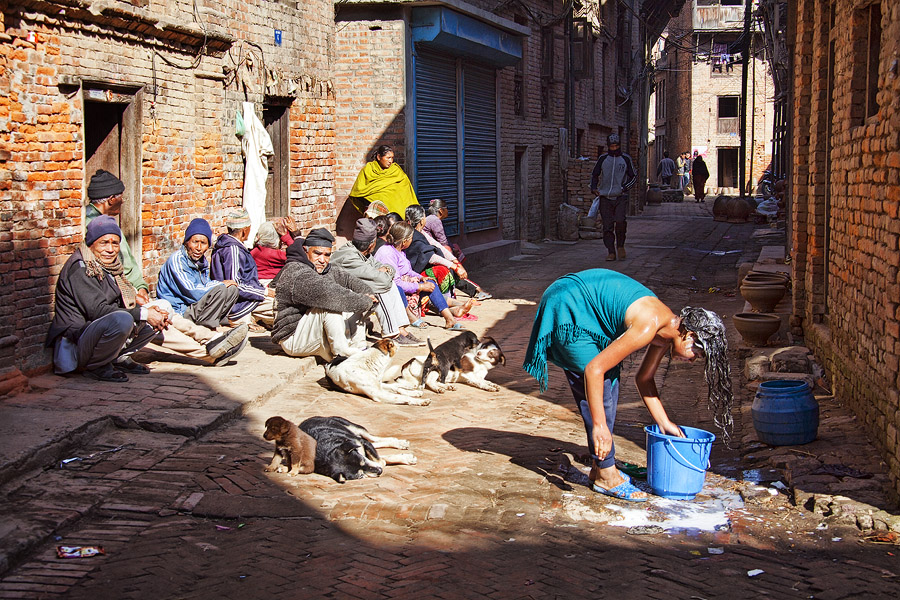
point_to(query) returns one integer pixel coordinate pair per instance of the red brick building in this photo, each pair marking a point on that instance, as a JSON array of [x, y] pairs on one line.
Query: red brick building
[[149, 90], [845, 194]]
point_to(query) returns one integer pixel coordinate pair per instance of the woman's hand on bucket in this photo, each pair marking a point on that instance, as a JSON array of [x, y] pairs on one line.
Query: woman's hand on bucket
[[670, 428]]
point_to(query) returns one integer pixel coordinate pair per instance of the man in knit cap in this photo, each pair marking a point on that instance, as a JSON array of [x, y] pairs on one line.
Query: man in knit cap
[[200, 304], [105, 192], [231, 261], [356, 258], [319, 309]]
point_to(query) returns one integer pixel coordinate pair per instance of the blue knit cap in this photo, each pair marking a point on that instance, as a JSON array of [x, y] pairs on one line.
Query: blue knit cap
[[100, 226], [200, 226]]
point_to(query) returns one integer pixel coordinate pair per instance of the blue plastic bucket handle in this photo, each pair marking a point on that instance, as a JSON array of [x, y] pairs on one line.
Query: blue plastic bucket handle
[[683, 460]]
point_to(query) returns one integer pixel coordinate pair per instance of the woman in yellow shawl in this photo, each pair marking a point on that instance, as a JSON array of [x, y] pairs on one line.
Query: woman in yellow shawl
[[382, 186]]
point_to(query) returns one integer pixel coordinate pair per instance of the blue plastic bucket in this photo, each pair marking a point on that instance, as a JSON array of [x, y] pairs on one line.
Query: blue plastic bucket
[[676, 467]]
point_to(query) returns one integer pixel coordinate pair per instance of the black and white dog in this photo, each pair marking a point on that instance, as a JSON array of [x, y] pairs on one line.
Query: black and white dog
[[471, 368], [345, 450]]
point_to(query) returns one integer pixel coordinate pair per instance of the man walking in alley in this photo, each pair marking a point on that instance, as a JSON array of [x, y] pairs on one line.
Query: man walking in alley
[[665, 169], [612, 177]]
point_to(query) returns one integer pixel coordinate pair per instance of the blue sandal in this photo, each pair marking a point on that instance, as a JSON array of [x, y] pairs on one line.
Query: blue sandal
[[456, 327], [623, 491], [419, 323]]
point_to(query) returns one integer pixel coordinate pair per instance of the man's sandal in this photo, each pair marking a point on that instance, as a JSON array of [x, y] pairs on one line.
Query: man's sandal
[[624, 491]]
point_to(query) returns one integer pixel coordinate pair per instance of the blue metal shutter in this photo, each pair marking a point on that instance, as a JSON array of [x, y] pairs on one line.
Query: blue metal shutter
[[480, 147], [437, 171]]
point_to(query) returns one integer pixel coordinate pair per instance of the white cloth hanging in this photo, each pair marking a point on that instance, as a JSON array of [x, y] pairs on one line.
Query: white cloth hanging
[[257, 148]]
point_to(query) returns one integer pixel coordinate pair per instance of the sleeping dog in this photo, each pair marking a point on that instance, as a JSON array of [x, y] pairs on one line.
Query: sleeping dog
[[363, 373], [295, 450], [472, 368], [345, 450]]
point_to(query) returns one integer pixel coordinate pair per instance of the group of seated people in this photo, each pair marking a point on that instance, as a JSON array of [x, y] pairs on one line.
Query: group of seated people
[[316, 300]]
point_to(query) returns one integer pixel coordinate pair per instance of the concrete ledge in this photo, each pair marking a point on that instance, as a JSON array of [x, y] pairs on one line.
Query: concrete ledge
[[487, 254]]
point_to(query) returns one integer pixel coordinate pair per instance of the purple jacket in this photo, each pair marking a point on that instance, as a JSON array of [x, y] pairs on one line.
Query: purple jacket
[[231, 260], [435, 229], [388, 255]]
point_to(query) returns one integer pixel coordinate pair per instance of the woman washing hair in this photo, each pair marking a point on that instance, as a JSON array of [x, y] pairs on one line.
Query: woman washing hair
[[382, 186], [587, 323]]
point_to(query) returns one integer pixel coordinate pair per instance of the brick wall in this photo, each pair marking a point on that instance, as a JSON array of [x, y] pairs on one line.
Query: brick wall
[[189, 160], [846, 240], [370, 79]]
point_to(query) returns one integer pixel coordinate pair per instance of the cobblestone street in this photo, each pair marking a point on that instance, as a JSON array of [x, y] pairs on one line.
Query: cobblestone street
[[496, 507]]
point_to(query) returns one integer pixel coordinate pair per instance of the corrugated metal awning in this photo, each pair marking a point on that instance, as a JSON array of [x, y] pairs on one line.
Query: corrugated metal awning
[[441, 27]]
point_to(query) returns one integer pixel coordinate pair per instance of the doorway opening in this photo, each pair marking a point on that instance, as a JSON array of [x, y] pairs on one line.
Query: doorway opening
[[112, 142], [276, 118], [728, 167]]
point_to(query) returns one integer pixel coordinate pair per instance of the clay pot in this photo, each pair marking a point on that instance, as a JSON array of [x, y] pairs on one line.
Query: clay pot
[[779, 187], [756, 328], [738, 210], [763, 277], [719, 210], [654, 195], [763, 297]]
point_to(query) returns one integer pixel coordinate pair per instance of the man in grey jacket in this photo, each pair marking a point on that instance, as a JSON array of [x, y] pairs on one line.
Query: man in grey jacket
[[319, 308], [356, 258], [612, 177]]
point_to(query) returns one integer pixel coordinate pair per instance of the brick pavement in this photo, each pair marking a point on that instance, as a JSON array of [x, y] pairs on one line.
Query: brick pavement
[[488, 511]]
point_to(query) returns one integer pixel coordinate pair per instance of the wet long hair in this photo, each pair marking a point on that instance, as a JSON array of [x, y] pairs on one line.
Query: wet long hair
[[709, 337]]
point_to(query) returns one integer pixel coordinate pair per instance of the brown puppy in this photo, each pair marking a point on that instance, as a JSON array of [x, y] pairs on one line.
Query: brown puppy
[[295, 450]]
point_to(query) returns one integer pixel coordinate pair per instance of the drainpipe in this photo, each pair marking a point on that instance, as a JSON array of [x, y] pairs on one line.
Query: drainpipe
[[745, 60], [570, 78]]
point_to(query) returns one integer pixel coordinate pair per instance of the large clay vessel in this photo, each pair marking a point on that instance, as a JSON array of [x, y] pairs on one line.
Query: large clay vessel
[[654, 195], [756, 328], [738, 210], [763, 297], [763, 277], [719, 209]]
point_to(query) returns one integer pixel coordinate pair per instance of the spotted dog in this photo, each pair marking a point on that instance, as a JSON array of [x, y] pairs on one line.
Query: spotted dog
[[472, 369]]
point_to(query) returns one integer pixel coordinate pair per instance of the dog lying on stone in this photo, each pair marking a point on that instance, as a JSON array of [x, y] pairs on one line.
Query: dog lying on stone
[[471, 368], [295, 450], [345, 450], [363, 374]]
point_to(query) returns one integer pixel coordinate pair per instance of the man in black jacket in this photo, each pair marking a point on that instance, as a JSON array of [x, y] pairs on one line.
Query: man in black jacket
[[97, 321], [319, 307]]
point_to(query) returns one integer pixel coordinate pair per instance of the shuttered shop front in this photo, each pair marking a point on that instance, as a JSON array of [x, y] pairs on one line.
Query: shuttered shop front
[[456, 133]]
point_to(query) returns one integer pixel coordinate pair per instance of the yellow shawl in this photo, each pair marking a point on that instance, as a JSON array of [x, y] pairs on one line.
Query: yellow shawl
[[389, 186]]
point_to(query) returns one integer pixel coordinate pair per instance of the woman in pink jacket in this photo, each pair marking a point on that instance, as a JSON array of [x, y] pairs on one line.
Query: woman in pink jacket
[[412, 283]]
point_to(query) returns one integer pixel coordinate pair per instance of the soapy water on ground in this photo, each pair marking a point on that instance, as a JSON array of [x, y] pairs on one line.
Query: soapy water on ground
[[710, 510]]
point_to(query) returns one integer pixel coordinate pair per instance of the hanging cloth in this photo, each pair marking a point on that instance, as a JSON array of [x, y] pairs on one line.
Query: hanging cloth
[[256, 146]]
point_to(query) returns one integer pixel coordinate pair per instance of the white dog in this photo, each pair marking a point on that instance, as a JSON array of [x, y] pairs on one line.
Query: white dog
[[472, 369], [363, 373]]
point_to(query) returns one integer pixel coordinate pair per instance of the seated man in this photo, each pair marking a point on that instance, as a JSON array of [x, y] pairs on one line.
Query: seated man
[[105, 193], [97, 322], [319, 308], [356, 258], [199, 304], [231, 261]]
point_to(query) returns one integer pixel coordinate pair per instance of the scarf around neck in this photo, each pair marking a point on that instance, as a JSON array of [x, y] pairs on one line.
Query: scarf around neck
[[94, 268]]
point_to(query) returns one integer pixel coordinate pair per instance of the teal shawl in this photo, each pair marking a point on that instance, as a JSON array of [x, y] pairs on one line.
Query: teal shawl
[[587, 306]]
